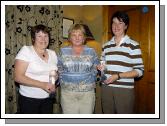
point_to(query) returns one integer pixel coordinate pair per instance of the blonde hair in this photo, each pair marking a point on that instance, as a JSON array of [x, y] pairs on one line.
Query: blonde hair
[[76, 27]]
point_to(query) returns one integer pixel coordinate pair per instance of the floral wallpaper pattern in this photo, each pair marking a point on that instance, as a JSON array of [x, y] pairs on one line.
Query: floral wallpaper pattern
[[18, 22]]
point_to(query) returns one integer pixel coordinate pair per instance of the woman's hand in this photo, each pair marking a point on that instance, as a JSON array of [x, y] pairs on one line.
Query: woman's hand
[[111, 79], [49, 87], [100, 67]]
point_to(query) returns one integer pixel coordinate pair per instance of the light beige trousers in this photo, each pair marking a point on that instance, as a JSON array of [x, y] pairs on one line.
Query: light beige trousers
[[77, 102]]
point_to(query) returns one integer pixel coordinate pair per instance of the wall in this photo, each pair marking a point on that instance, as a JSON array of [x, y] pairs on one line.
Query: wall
[[92, 16], [88, 14], [73, 12]]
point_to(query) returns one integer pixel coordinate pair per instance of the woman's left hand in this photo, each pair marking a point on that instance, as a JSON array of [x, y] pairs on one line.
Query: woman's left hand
[[111, 79], [51, 88]]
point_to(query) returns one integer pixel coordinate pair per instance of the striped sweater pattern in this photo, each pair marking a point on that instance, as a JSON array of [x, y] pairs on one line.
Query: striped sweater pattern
[[123, 58]]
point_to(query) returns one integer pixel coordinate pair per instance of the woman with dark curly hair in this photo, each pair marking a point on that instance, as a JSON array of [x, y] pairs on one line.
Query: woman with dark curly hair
[[32, 67]]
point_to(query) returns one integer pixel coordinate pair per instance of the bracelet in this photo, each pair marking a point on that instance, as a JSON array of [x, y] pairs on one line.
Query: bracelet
[[118, 76]]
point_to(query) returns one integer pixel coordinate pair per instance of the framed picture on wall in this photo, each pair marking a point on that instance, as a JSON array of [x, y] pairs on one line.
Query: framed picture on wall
[[66, 25]]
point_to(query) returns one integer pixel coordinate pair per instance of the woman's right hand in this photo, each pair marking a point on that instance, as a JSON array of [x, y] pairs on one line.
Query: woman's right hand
[[100, 67]]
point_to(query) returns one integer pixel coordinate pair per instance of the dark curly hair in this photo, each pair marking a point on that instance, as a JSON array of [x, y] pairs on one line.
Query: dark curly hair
[[37, 29]]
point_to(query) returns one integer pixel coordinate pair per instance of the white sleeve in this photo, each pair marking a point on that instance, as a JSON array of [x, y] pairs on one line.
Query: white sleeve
[[24, 54]]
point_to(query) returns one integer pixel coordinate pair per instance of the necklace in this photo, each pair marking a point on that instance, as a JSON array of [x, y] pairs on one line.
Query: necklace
[[41, 54]]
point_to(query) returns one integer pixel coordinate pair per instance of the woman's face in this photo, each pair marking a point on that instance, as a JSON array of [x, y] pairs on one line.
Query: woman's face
[[77, 37], [118, 27], [41, 40]]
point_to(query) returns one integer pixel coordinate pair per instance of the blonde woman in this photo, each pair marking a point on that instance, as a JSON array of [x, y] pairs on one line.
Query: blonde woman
[[77, 67]]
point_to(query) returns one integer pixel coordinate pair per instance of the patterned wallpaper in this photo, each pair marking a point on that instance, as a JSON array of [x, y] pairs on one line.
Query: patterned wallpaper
[[18, 22]]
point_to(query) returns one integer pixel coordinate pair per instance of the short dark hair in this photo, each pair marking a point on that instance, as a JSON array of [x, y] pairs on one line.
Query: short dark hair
[[121, 16], [37, 29]]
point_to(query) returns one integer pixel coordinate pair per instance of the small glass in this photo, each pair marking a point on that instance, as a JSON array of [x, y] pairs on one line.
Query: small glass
[[53, 76], [103, 70], [52, 80], [103, 63]]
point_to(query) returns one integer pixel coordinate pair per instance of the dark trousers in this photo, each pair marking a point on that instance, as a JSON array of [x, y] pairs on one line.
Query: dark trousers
[[117, 100], [35, 106]]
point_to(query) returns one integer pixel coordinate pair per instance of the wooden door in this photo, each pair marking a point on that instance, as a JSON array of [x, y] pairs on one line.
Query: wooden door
[[141, 29]]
